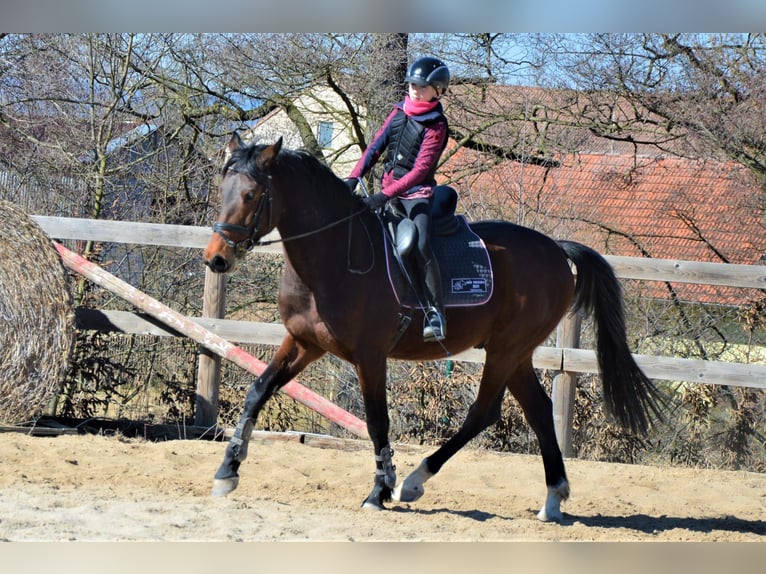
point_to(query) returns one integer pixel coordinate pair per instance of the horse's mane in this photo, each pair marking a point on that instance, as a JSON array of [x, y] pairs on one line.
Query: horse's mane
[[290, 165]]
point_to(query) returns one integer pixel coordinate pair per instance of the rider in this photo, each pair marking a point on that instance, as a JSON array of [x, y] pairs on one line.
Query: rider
[[414, 136]]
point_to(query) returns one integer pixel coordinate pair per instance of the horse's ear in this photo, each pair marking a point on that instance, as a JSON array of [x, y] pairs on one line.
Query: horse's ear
[[269, 154], [234, 143]]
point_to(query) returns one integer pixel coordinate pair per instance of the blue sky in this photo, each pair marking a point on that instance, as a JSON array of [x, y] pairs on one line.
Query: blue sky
[[383, 16]]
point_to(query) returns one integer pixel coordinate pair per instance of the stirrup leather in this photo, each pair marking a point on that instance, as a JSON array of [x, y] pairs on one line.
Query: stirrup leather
[[435, 328]]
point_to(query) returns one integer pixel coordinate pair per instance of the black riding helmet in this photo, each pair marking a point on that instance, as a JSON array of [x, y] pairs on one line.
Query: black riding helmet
[[428, 71]]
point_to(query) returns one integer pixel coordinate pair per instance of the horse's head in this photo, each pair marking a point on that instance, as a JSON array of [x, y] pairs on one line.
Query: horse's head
[[246, 204]]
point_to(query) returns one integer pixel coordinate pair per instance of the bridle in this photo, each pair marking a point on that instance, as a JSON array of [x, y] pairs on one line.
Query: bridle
[[264, 205]]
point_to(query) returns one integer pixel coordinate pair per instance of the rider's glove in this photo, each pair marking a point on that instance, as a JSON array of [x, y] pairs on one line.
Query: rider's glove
[[376, 200]]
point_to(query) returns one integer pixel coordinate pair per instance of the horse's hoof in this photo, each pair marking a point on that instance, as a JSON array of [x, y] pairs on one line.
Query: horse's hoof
[[411, 488], [376, 498], [546, 516], [410, 493], [223, 486], [551, 510]]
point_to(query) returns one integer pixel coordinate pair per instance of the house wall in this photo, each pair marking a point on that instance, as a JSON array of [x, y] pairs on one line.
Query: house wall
[[318, 105]]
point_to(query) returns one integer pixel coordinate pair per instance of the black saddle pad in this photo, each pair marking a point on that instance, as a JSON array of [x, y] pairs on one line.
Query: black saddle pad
[[465, 268]]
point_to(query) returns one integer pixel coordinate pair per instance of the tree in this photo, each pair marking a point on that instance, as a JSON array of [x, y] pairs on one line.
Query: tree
[[688, 94], [132, 126]]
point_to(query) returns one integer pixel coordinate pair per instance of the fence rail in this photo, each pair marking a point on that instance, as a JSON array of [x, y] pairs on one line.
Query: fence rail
[[565, 358]]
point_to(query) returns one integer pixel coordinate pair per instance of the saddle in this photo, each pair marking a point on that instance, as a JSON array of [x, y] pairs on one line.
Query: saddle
[[463, 259]]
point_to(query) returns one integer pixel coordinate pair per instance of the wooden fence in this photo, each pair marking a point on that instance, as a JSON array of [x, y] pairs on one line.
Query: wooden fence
[[565, 358]]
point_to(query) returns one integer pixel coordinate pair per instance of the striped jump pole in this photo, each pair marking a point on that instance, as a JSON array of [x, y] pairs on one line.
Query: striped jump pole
[[208, 339]]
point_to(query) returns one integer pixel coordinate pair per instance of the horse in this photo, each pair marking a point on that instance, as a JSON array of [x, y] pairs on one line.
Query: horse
[[335, 297]]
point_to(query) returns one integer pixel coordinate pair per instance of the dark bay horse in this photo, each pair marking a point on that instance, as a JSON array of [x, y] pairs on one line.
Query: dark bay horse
[[335, 297]]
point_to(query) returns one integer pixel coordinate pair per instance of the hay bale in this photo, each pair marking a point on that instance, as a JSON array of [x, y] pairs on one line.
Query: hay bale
[[37, 327]]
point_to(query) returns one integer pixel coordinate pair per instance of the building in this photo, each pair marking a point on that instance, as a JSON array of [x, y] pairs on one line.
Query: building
[[619, 197]]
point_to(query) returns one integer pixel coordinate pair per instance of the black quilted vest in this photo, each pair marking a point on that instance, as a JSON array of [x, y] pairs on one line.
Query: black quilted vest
[[406, 134]]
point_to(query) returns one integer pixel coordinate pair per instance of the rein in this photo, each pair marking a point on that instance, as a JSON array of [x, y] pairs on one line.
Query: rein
[[315, 231]]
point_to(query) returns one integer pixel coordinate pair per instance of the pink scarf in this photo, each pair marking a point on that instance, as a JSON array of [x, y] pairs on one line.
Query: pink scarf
[[418, 108]]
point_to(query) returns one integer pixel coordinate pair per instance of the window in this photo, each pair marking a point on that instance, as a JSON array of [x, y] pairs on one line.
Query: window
[[324, 134]]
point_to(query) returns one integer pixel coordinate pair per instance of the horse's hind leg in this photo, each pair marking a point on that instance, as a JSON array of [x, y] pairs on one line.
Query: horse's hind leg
[[484, 411], [289, 360], [538, 410]]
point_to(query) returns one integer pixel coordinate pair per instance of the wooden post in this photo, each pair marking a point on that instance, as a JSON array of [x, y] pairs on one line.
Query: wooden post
[[564, 384], [209, 371]]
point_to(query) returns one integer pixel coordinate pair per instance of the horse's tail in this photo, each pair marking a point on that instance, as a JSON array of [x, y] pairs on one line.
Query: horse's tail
[[630, 396]]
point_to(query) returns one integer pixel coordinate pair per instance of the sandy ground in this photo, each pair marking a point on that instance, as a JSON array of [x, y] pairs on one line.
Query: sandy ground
[[96, 488]]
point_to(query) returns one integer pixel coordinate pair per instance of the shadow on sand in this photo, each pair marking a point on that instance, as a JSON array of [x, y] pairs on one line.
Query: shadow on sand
[[656, 524], [636, 522]]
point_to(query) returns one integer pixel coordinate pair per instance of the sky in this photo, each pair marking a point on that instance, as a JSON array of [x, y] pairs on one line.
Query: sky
[[382, 16]]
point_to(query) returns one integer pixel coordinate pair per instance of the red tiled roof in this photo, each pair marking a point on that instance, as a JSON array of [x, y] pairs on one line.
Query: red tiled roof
[[661, 207]]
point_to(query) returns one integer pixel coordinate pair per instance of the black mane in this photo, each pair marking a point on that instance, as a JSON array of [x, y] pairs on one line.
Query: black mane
[[291, 165]]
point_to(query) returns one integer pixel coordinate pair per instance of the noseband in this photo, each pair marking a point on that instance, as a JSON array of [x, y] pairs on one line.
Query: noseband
[[264, 204]]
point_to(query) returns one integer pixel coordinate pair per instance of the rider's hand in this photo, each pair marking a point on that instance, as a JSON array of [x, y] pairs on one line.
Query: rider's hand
[[376, 200]]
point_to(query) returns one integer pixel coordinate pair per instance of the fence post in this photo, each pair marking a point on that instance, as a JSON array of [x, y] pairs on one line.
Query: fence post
[[564, 384], [209, 371]]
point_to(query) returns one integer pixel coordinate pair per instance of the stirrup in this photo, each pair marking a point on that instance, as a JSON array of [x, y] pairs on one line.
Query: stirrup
[[435, 328]]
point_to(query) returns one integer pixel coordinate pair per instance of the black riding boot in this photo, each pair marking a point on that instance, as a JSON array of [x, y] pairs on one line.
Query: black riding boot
[[435, 327]]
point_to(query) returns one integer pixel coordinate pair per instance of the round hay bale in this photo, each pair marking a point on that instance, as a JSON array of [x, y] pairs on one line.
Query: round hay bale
[[37, 326]]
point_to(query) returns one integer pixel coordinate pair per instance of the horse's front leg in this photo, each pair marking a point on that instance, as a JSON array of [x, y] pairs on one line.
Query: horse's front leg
[[372, 378], [290, 359]]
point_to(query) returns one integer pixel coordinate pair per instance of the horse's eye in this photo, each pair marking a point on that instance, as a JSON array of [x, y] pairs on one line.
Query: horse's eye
[[249, 196]]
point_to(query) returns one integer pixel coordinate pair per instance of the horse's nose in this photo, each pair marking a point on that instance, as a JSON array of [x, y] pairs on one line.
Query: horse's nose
[[218, 264]]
